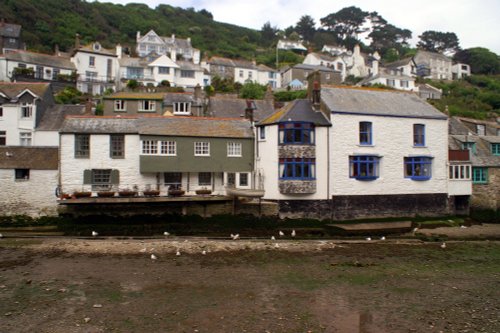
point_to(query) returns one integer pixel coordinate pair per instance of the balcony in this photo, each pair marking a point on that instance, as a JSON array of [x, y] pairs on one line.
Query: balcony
[[135, 76], [96, 79]]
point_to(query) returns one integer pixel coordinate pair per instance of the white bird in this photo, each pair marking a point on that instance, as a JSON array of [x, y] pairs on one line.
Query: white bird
[[178, 253], [293, 233], [94, 233], [166, 233], [153, 257], [443, 245], [368, 238], [204, 252], [281, 233], [1, 236], [143, 250], [273, 238], [382, 238], [235, 237]]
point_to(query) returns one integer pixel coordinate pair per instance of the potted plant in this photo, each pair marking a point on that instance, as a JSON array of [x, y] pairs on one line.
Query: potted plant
[[127, 193], [203, 191], [176, 191], [82, 194], [106, 194], [151, 193]]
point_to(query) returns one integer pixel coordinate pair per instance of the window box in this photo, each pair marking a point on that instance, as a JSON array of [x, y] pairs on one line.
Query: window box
[[176, 192], [82, 194], [151, 193], [105, 194], [203, 191], [127, 193]]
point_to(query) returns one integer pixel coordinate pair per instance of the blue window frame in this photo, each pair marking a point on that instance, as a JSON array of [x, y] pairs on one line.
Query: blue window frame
[[365, 133], [296, 133], [479, 175], [469, 145], [418, 135], [364, 167], [297, 168], [418, 167], [495, 149], [262, 133]]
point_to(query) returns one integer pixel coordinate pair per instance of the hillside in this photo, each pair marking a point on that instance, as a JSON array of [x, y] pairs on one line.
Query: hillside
[[50, 22]]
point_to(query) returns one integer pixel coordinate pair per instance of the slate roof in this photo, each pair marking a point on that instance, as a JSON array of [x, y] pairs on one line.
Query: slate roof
[[99, 125], [377, 102], [10, 30], [195, 127], [40, 59], [399, 63], [385, 76], [90, 48], [188, 65], [323, 56], [136, 95], [53, 117], [224, 107], [172, 97], [240, 63], [483, 156], [315, 68], [300, 110], [12, 89], [37, 158], [133, 62]]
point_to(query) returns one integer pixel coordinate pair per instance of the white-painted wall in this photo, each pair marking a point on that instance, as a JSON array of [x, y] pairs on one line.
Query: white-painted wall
[[397, 82], [13, 124], [7, 67], [33, 197], [393, 140], [247, 74], [336, 63], [46, 138], [267, 164], [188, 81], [264, 79]]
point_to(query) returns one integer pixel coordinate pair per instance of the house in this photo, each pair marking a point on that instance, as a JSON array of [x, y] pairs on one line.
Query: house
[[132, 68], [31, 66], [10, 37], [189, 75], [174, 48], [268, 76], [404, 66], [387, 78], [427, 91], [360, 64], [184, 104], [133, 103], [334, 50], [97, 68], [459, 179], [433, 65], [221, 106], [482, 139], [291, 45], [319, 59], [29, 178], [162, 153], [302, 71], [460, 71]]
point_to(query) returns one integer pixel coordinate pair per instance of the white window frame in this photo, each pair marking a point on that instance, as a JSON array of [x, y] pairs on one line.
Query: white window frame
[[202, 148], [25, 138], [162, 70], [168, 148], [234, 149], [26, 110], [149, 147], [91, 61], [460, 172], [120, 105], [147, 105], [183, 108]]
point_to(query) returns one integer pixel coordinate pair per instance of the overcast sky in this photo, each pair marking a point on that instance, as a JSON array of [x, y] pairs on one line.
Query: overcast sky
[[476, 22]]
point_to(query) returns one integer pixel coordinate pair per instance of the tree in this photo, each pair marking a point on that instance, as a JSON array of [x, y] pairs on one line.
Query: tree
[[436, 41], [252, 90], [268, 34], [387, 36], [346, 23], [481, 60], [306, 27]]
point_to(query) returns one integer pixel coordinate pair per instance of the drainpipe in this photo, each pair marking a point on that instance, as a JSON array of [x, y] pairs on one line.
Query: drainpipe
[[328, 197]]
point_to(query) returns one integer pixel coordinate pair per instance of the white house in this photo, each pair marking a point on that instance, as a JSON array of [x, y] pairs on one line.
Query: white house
[[433, 65], [268, 76], [360, 64], [318, 59], [460, 71], [174, 48], [334, 49], [284, 44], [400, 82]]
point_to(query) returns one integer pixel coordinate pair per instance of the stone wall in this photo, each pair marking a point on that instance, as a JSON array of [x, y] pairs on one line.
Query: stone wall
[[487, 196]]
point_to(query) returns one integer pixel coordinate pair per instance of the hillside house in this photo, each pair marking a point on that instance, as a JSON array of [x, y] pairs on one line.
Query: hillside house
[[319, 59], [173, 47], [10, 37], [301, 72], [433, 65]]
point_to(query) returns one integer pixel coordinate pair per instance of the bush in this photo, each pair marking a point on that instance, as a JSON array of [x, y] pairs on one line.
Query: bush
[[285, 96]]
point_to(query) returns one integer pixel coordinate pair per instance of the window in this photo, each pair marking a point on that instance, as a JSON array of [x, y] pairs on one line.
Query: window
[[479, 175], [1, 111], [364, 167], [182, 108], [22, 174], [82, 146], [250, 75], [26, 110], [143, 47], [469, 145], [186, 73], [168, 148], [91, 61], [55, 73], [3, 138], [172, 179], [365, 133], [243, 179], [163, 70], [234, 149], [204, 178], [120, 105], [391, 83], [296, 133], [241, 73], [418, 167], [418, 135], [101, 179], [117, 146], [262, 133], [340, 66], [147, 106], [25, 138], [297, 168], [152, 48], [231, 179], [91, 76], [271, 75], [480, 129], [149, 147], [201, 149], [405, 84], [460, 172], [495, 149]]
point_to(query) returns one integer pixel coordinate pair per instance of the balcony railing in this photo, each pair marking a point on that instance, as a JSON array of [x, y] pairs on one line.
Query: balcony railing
[[129, 76], [96, 79]]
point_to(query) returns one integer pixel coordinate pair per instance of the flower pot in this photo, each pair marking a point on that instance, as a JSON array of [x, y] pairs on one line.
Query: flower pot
[[176, 193], [106, 194], [151, 193], [82, 194], [203, 192], [127, 193]]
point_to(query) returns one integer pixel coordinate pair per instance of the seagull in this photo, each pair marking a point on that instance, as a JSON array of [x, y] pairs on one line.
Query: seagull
[[281, 233], [382, 238], [273, 238], [95, 234], [293, 233], [235, 237], [204, 252], [153, 257], [368, 238], [178, 253], [443, 245], [166, 233], [143, 250]]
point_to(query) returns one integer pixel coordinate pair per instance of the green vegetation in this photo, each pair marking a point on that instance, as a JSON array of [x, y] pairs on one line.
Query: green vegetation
[[285, 96], [476, 96]]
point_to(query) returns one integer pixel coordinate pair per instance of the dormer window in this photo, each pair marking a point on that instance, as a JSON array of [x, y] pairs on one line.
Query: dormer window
[[296, 133], [26, 110], [480, 129], [97, 46], [182, 108]]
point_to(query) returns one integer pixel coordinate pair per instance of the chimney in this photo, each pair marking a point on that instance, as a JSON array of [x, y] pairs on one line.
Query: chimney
[[77, 41], [138, 36], [197, 93], [269, 96], [189, 40], [249, 110], [375, 67], [119, 51], [173, 55], [88, 106], [173, 37], [56, 50], [316, 94], [314, 88]]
